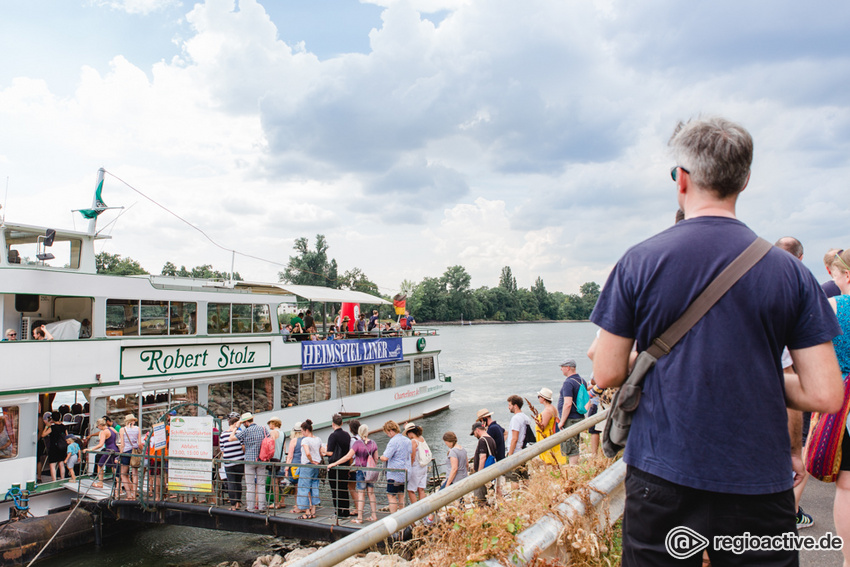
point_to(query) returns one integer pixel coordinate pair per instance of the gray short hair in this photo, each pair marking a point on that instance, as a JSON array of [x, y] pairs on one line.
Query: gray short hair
[[716, 152]]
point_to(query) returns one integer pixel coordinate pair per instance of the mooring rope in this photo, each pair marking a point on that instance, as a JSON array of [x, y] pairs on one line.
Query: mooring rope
[[79, 501]]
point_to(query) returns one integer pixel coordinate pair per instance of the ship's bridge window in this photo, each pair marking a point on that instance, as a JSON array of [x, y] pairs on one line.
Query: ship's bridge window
[[23, 247], [134, 317], [305, 388], [423, 369], [242, 396], [354, 380], [238, 318], [9, 428], [395, 374]]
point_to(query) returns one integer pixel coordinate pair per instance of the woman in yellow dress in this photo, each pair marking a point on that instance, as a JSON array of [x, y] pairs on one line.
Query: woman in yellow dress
[[546, 421]]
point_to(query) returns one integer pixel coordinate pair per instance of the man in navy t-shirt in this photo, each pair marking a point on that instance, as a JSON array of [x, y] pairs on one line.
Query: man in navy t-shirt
[[709, 446], [567, 408]]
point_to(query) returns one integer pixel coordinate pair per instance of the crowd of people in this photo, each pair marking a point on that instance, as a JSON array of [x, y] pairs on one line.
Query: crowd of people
[[302, 327]]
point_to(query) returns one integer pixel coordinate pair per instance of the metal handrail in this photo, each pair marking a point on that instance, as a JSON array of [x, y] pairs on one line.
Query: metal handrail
[[544, 533], [384, 528]]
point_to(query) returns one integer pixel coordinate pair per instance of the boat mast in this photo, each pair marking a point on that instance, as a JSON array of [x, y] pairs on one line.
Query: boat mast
[[96, 203]]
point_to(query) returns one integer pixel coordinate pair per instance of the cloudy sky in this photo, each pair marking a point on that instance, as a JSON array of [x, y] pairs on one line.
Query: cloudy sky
[[416, 134]]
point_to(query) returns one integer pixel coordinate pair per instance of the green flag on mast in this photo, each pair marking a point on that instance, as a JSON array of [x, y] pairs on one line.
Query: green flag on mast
[[99, 205]]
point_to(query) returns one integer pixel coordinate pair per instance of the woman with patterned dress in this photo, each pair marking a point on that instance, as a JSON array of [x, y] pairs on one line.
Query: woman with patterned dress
[[546, 421], [840, 271]]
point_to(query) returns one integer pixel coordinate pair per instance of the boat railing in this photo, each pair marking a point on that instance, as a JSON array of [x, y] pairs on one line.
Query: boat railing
[[225, 483], [415, 332]]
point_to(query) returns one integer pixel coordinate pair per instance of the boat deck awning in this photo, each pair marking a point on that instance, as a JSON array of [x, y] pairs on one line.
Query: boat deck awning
[[325, 294]]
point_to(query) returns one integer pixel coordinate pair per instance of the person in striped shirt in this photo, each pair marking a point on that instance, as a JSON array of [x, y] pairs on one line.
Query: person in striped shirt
[[232, 451]]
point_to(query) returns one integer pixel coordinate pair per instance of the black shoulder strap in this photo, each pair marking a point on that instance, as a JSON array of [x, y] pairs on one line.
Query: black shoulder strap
[[710, 295]]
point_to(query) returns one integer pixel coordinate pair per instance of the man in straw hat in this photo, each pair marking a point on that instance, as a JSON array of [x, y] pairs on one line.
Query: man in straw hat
[[255, 473], [683, 470], [494, 430]]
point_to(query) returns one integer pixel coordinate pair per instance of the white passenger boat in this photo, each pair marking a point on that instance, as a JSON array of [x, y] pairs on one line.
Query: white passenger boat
[[144, 344]]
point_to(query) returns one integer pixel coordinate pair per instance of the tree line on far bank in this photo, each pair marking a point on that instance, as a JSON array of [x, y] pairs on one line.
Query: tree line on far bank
[[448, 297]]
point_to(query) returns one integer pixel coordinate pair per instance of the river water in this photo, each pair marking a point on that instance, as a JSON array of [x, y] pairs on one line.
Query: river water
[[487, 364]]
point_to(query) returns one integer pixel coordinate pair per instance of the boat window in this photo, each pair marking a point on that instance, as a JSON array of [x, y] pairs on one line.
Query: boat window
[[122, 317], [289, 391], [119, 407], [262, 319], [183, 318], [238, 318], [133, 317], [9, 428], [423, 369], [241, 318], [23, 246], [314, 386], [395, 374], [154, 318], [218, 318], [263, 394], [242, 396], [353, 380], [156, 402]]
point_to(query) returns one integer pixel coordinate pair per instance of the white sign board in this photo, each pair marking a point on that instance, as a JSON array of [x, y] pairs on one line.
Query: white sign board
[[159, 440], [169, 360], [190, 439]]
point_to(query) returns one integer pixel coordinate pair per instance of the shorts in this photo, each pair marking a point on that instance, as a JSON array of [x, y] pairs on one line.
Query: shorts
[[596, 429], [72, 460], [361, 481], [124, 459], [569, 448], [106, 460], [395, 486]]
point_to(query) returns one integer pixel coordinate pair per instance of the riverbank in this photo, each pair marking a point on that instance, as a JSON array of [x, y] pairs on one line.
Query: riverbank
[[476, 322]]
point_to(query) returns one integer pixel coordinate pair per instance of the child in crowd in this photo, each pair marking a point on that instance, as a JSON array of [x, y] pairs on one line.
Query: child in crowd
[[72, 456]]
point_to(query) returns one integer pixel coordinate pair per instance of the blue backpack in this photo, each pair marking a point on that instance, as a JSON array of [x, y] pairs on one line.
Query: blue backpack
[[582, 397]]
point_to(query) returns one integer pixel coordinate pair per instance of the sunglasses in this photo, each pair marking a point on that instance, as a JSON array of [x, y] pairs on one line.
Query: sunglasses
[[840, 259], [12, 334], [673, 170]]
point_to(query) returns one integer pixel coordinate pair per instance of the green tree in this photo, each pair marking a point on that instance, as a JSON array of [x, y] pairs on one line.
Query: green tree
[[430, 301], [507, 280], [355, 279], [311, 267], [545, 303], [114, 264], [169, 269], [204, 272]]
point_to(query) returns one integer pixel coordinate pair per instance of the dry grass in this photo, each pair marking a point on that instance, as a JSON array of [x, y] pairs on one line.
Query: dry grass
[[467, 534]]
